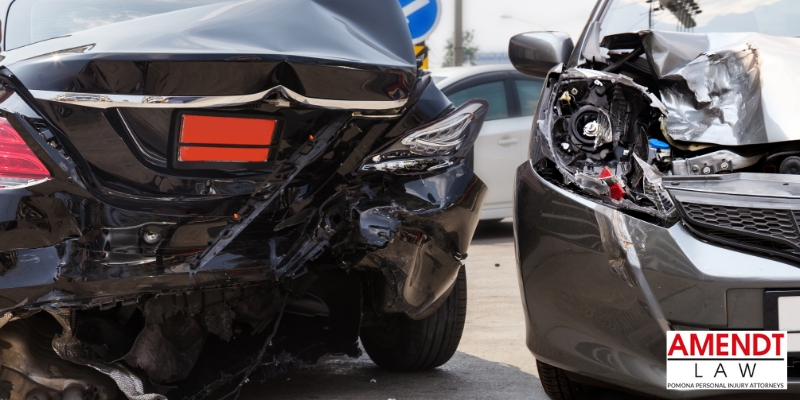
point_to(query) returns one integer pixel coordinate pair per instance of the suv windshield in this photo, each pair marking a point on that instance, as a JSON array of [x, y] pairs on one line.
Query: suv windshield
[[771, 17], [31, 21]]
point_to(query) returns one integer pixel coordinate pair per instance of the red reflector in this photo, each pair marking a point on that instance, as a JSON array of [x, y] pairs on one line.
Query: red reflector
[[202, 129], [616, 192], [222, 154], [16, 158]]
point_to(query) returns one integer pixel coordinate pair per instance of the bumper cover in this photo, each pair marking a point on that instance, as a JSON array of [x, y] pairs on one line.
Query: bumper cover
[[600, 287]]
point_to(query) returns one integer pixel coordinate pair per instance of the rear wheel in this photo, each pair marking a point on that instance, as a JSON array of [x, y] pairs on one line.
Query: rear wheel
[[557, 384], [404, 344]]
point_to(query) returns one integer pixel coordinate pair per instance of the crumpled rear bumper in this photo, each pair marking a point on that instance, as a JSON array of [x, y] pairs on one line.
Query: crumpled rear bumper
[[600, 287], [68, 250]]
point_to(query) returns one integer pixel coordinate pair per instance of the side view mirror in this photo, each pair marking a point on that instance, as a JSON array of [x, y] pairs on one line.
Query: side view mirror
[[535, 53]]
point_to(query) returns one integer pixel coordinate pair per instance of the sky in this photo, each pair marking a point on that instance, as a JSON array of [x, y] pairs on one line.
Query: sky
[[492, 31]]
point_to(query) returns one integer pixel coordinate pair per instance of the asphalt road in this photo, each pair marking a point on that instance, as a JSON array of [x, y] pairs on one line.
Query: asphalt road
[[492, 361]]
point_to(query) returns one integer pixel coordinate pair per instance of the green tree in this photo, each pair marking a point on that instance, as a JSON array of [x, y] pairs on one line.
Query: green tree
[[470, 51]]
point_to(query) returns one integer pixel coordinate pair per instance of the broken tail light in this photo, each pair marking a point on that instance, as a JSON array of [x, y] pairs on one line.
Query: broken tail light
[[439, 144], [18, 165]]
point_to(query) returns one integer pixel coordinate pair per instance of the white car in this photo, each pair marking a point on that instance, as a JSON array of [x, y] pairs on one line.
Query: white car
[[504, 140]]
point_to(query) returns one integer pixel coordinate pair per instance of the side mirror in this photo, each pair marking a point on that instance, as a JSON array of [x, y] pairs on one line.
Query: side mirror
[[535, 53]]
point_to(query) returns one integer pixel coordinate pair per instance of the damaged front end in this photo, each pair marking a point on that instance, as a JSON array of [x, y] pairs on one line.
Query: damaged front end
[[143, 257], [599, 134], [664, 106], [662, 190]]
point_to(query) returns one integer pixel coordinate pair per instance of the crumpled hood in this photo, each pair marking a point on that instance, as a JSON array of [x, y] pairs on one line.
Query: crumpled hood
[[333, 49], [725, 88]]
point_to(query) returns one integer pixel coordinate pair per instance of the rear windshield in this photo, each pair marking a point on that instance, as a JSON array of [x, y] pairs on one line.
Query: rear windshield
[[31, 21], [771, 17]]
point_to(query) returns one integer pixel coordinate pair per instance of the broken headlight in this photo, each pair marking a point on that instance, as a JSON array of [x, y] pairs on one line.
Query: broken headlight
[[605, 135], [440, 144]]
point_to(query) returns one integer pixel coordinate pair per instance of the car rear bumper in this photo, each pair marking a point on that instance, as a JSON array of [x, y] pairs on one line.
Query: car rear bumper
[[61, 249], [600, 287]]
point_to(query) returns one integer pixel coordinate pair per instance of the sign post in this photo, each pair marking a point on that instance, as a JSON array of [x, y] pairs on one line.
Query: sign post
[[422, 17]]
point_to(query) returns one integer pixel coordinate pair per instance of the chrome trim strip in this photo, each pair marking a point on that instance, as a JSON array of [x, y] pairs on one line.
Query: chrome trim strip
[[105, 101]]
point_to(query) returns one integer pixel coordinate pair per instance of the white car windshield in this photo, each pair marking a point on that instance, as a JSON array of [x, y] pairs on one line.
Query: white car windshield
[[771, 17], [31, 21]]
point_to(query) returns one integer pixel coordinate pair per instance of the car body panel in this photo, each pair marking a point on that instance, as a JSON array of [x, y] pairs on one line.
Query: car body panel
[[500, 146], [592, 315]]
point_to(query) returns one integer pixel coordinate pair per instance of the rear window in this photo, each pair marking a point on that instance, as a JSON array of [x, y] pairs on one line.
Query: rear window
[[31, 21]]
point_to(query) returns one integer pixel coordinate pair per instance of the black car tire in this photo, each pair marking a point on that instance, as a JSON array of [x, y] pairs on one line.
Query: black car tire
[[557, 384], [404, 344]]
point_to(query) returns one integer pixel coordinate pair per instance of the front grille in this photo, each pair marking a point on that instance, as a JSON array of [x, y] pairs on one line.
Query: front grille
[[773, 232], [758, 221]]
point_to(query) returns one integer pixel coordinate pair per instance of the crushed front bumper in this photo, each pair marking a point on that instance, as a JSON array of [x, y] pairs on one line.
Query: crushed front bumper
[[600, 288]]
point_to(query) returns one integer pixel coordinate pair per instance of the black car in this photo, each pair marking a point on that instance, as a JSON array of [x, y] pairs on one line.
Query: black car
[[198, 193]]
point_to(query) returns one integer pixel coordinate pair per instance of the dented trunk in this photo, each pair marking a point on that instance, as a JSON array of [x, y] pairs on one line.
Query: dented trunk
[[174, 274]]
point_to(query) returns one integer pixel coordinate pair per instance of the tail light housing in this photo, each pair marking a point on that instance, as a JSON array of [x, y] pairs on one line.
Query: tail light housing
[[18, 165], [437, 145]]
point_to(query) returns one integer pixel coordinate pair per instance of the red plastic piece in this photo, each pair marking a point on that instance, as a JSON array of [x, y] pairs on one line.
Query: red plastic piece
[[616, 192], [222, 154], [225, 139], [16, 158], [203, 129], [606, 173]]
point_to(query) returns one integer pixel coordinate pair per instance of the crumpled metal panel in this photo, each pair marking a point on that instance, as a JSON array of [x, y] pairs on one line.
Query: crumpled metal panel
[[727, 88], [71, 349], [330, 49]]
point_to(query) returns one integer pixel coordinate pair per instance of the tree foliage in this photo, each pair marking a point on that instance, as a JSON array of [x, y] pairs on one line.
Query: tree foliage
[[470, 51]]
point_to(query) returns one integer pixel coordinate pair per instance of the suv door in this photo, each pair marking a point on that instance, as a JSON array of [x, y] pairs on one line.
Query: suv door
[[503, 142]]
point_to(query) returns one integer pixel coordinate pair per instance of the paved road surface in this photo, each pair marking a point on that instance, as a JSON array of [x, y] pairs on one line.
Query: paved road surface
[[492, 361]]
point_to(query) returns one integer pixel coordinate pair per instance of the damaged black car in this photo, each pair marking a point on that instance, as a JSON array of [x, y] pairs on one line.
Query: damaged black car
[[662, 191], [195, 194]]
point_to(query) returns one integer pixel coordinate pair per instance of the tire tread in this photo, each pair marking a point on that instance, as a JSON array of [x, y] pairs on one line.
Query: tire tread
[[426, 343], [556, 383]]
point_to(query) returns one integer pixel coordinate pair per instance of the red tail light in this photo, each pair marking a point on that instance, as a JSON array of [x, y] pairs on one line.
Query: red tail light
[[18, 164], [225, 139]]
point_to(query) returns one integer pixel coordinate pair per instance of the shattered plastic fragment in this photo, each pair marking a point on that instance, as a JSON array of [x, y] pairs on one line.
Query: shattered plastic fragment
[[654, 189], [616, 192]]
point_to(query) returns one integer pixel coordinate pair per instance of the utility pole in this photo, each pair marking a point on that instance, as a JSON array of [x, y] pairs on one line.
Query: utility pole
[[458, 42]]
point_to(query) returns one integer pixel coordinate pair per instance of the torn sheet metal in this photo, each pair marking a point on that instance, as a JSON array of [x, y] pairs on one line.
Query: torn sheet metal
[[71, 349], [622, 243], [727, 88]]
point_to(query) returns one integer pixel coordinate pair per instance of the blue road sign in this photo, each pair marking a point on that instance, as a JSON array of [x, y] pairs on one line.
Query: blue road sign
[[422, 17]]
